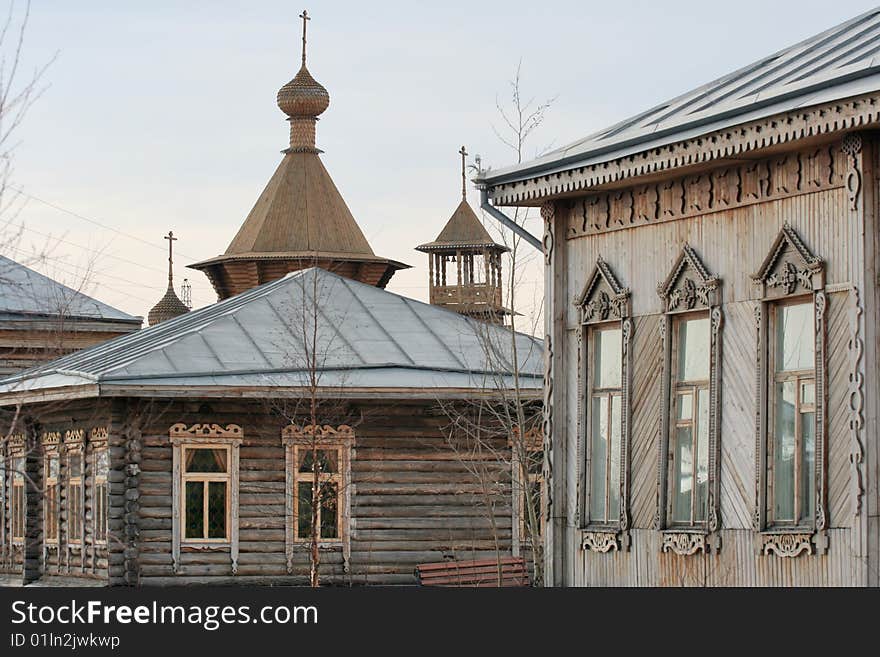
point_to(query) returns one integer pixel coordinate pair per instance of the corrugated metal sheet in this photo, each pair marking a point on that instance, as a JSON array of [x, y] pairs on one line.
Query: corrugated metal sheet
[[358, 335], [25, 292], [839, 63]]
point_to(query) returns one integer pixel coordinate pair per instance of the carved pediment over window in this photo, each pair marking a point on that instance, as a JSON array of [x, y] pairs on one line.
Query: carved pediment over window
[[689, 285], [180, 430], [50, 438], [603, 298], [293, 433], [789, 268]]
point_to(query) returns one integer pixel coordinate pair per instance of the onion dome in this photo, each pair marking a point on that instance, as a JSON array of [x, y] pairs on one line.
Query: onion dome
[[169, 307], [303, 96]]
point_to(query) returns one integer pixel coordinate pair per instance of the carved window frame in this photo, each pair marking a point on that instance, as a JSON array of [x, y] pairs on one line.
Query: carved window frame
[[100, 482], [15, 460], [790, 272], [324, 437], [690, 288], [204, 435], [74, 494], [52, 487], [603, 303]]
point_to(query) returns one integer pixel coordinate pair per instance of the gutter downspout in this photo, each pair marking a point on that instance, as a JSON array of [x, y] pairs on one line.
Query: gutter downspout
[[507, 221]]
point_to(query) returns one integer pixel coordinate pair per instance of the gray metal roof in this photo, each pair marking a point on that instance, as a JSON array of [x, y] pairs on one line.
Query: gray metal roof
[[839, 63], [366, 338], [25, 294]]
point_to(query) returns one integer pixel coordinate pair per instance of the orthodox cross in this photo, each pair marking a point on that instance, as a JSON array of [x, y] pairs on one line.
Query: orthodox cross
[[171, 239], [305, 17], [463, 152]]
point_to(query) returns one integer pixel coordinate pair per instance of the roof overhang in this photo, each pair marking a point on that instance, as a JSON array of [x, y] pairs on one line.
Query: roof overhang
[[732, 135]]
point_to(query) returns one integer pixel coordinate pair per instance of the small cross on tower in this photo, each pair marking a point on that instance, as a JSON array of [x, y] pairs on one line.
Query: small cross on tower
[[171, 239], [305, 17], [463, 152]]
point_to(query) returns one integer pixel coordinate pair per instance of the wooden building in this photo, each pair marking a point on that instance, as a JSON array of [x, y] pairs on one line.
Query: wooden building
[[720, 428], [186, 453], [42, 319]]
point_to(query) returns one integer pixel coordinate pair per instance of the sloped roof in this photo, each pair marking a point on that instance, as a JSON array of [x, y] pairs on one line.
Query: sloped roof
[[26, 293], [300, 212], [838, 63], [463, 229], [367, 338]]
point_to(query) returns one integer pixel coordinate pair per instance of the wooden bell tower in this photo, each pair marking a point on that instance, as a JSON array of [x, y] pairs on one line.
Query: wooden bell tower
[[464, 264]]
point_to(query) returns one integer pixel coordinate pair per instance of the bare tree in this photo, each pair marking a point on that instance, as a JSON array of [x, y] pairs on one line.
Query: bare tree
[[510, 411]]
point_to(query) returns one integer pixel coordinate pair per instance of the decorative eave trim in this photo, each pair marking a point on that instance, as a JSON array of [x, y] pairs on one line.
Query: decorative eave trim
[[730, 142]]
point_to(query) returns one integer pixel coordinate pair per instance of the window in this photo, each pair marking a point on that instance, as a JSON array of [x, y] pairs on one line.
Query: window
[[791, 478], [318, 473], [205, 488], [689, 481], [50, 506], [604, 344], [318, 487], [205, 493], [101, 496], [792, 448], [75, 493], [17, 507], [690, 418], [606, 410], [3, 480]]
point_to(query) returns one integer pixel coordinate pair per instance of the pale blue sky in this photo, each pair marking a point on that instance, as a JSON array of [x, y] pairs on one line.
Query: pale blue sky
[[162, 114]]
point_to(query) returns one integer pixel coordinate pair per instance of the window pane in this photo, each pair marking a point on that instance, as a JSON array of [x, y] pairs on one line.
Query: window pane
[[693, 349], [329, 502], [808, 393], [205, 460], [195, 510], [685, 409], [304, 509], [608, 353], [702, 454], [102, 463], [217, 509], [795, 343], [54, 466], [326, 460], [682, 478], [75, 464], [51, 511], [808, 467], [614, 485], [101, 512], [598, 455], [74, 513], [784, 452]]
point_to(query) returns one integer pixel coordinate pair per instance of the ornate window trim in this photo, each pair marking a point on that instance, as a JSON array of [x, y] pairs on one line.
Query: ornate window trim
[[603, 302], [789, 271], [204, 435], [73, 498], [690, 287], [17, 500], [324, 437]]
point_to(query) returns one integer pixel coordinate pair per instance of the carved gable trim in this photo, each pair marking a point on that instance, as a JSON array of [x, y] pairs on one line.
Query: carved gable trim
[[789, 268], [603, 297], [689, 285]]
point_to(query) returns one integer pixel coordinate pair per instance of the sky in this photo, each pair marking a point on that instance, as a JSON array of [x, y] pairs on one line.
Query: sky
[[161, 115]]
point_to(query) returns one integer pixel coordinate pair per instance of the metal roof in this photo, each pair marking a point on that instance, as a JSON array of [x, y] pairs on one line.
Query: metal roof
[[838, 63], [25, 294], [366, 338]]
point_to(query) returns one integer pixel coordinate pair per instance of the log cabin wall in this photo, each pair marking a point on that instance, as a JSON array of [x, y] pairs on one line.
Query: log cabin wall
[[413, 499], [63, 430], [730, 216]]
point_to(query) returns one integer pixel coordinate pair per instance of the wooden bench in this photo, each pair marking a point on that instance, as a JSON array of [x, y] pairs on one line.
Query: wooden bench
[[483, 572]]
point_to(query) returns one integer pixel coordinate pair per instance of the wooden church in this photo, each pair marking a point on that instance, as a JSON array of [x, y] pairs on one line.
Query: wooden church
[[189, 452], [719, 428]]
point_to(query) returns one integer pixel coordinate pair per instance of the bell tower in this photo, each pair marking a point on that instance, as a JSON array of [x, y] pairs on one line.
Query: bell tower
[[464, 264]]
